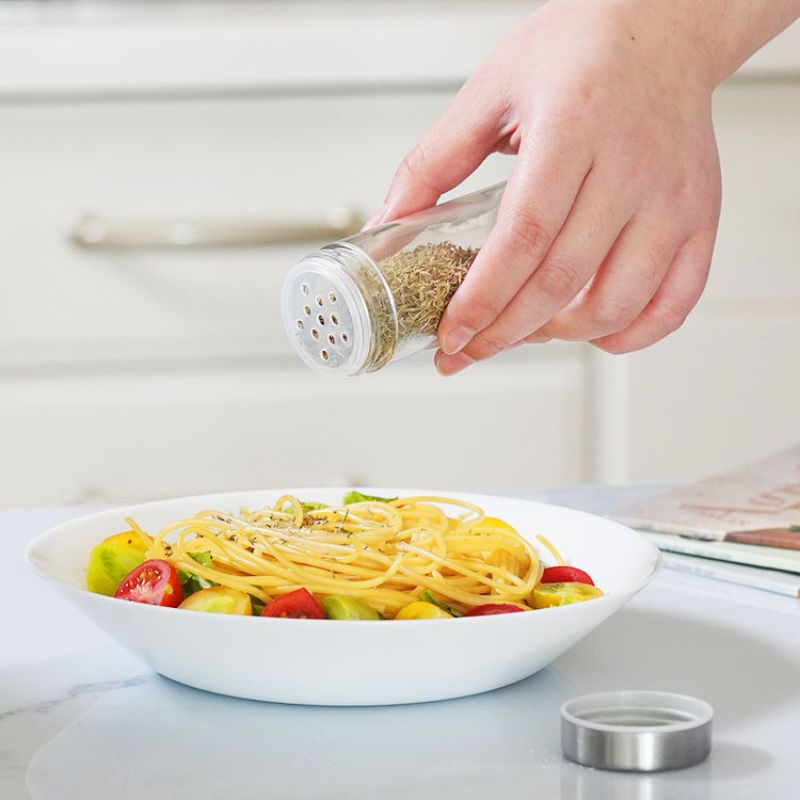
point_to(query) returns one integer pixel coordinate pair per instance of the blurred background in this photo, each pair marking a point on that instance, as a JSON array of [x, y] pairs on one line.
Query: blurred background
[[163, 164]]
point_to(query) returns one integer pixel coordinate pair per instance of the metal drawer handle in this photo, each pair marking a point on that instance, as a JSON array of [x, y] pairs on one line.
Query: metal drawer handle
[[98, 233]]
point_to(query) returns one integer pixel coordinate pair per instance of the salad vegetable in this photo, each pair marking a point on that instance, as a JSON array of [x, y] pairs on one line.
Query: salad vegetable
[[112, 560], [358, 497], [154, 582], [342, 606], [191, 582], [563, 594], [422, 610], [219, 600], [299, 604], [429, 597], [565, 574]]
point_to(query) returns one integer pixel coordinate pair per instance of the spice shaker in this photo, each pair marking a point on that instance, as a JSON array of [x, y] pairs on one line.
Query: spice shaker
[[360, 303]]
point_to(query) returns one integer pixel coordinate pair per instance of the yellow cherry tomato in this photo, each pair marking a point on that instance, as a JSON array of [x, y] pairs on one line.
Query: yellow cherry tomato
[[422, 610], [563, 594], [219, 600], [495, 522], [112, 559]]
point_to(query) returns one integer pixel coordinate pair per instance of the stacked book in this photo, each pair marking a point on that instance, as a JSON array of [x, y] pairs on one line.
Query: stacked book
[[741, 526]]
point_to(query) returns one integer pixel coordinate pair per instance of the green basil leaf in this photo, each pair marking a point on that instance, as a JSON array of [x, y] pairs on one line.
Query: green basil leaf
[[428, 597], [191, 583], [357, 497], [258, 606], [204, 559]]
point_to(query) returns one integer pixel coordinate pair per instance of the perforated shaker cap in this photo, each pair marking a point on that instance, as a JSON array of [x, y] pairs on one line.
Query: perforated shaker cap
[[326, 316]]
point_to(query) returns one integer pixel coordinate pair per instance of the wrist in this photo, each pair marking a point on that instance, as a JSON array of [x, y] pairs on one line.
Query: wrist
[[713, 37]]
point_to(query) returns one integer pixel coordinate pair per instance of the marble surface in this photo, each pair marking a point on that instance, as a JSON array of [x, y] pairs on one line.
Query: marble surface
[[79, 718]]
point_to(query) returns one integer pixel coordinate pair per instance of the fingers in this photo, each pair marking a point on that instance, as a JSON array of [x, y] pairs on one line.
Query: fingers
[[624, 285], [450, 365], [537, 199], [675, 298], [452, 150], [583, 243]]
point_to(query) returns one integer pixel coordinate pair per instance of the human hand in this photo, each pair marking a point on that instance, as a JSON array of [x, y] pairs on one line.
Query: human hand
[[607, 225]]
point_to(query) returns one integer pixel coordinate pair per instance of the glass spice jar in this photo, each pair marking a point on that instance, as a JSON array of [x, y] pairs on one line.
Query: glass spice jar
[[361, 303]]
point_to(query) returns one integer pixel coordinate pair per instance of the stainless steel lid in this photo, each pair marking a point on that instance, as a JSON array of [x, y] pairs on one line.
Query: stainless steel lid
[[639, 731]]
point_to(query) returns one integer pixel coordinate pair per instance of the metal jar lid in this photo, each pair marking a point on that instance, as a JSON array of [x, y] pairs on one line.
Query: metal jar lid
[[639, 731]]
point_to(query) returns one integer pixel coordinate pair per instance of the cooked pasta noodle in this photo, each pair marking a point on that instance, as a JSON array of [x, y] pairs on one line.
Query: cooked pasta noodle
[[385, 553]]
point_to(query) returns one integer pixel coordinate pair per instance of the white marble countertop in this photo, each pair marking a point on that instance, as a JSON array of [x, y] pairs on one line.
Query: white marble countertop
[[82, 720]]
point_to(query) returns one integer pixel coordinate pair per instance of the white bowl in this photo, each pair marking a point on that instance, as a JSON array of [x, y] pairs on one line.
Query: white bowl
[[351, 663]]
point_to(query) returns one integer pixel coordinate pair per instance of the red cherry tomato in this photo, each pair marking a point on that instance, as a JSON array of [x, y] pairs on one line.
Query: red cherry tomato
[[299, 604], [565, 575], [492, 608], [154, 582]]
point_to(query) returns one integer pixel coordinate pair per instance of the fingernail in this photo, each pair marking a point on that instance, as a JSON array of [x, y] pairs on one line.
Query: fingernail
[[456, 340], [451, 364], [376, 218]]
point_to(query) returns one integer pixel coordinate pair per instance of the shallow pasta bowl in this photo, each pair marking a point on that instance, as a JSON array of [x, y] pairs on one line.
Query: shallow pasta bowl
[[324, 662]]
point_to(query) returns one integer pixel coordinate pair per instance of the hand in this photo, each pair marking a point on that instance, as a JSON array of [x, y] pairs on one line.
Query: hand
[[607, 225]]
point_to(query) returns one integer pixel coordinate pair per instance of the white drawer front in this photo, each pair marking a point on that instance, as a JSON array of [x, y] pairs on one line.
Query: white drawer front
[[758, 246], [276, 159], [98, 440], [723, 390], [718, 394]]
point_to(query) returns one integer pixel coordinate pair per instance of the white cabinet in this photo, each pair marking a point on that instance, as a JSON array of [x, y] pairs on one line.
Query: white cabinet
[[105, 438], [724, 389], [134, 372], [225, 161], [137, 372], [757, 257]]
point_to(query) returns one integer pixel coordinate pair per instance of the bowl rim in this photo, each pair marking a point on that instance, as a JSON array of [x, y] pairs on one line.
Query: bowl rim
[[503, 619]]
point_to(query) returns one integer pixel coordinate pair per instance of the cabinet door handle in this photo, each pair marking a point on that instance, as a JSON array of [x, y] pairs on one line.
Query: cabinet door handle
[[94, 232]]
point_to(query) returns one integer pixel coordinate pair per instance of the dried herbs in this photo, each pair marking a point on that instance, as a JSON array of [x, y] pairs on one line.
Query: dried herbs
[[422, 282]]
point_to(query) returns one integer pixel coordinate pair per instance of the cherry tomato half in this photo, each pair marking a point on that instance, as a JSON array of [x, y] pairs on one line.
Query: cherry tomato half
[[154, 582], [565, 575], [419, 609], [492, 608], [563, 594], [219, 600], [299, 604], [113, 559]]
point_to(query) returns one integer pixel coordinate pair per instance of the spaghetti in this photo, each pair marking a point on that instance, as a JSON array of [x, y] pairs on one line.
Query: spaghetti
[[387, 554]]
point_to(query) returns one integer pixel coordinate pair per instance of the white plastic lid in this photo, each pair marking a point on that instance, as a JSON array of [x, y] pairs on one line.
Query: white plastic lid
[[326, 317]]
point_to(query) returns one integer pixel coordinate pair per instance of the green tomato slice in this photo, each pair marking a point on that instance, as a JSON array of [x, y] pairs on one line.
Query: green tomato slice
[[113, 559], [343, 606]]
